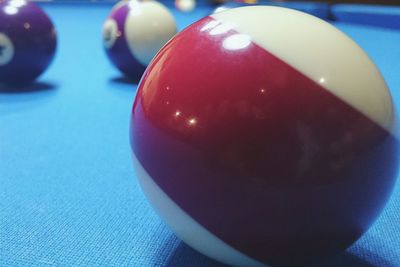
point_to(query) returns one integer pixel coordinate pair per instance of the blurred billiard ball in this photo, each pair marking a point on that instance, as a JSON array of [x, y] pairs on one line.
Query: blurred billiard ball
[[134, 32], [217, 2], [27, 41], [185, 5], [265, 145]]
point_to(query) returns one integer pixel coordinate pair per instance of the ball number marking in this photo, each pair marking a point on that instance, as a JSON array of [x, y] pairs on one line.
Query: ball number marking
[[110, 33], [6, 49]]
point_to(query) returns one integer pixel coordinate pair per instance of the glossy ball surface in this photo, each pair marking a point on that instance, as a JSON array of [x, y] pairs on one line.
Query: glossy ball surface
[[228, 6], [27, 41], [265, 145], [134, 32]]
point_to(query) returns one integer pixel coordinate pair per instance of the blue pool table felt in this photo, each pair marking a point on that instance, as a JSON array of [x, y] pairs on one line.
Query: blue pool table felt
[[68, 195], [382, 16]]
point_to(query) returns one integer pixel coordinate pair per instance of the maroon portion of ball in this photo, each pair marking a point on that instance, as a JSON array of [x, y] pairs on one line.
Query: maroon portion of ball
[[119, 53], [264, 158], [34, 39]]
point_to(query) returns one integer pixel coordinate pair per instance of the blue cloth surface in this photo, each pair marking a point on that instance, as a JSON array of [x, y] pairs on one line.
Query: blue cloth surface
[[374, 15], [68, 195], [318, 9]]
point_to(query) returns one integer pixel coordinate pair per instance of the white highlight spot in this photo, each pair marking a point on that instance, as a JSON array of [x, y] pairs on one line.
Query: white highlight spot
[[237, 42], [192, 121], [17, 3], [12, 7], [10, 10], [220, 9], [135, 8]]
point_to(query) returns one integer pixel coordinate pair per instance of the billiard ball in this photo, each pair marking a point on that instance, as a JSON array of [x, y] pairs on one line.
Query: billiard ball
[[265, 145], [217, 2], [185, 5], [27, 41], [134, 32]]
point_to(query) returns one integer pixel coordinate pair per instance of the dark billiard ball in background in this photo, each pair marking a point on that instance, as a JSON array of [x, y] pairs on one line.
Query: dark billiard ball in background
[[218, 2], [265, 145], [134, 32], [27, 41]]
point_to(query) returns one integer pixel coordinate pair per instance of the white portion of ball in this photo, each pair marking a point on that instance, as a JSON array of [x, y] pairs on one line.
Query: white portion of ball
[[191, 232], [6, 49], [110, 33], [148, 27], [321, 52], [185, 5], [221, 8]]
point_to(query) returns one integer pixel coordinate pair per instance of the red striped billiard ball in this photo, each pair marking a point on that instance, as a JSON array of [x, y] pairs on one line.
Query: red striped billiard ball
[[133, 33], [27, 41], [269, 144]]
